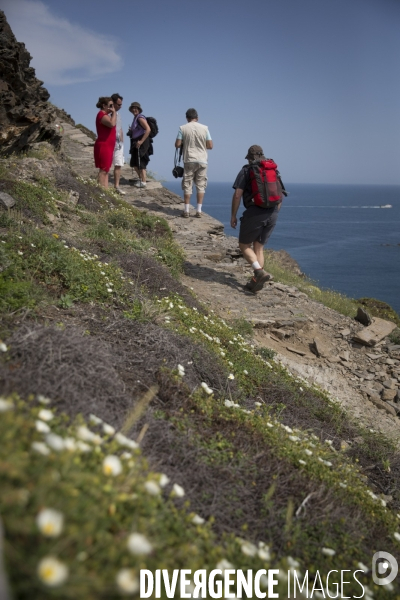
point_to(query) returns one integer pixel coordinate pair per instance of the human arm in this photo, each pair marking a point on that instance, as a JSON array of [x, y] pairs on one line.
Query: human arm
[[209, 142], [144, 125], [237, 195], [179, 139], [109, 120]]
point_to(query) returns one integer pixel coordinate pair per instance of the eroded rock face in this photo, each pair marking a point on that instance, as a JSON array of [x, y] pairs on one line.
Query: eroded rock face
[[25, 115]]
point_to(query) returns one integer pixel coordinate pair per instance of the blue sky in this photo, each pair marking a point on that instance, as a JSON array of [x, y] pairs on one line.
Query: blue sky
[[315, 82]]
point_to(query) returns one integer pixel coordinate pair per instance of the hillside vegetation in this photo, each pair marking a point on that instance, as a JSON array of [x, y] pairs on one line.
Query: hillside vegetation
[[141, 431]]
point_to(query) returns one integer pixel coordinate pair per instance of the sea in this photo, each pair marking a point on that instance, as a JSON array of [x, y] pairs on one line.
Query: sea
[[344, 237]]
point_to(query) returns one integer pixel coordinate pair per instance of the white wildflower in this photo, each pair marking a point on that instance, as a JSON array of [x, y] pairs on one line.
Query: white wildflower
[[86, 435], [396, 536], [112, 465], [224, 565], [245, 372], [126, 455], [127, 581], [308, 452], [207, 389], [52, 572], [45, 414], [181, 371], [139, 544], [5, 405], [70, 444], [263, 552], [3, 347], [294, 438], [43, 400], [292, 562], [122, 440], [40, 447], [328, 551], [302, 462], [343, 485], [50, 522], [178, 490], [42, 427], [231, 376], [108, 429], [362, 567], [55, 442], [164, 480], [222, 353], [152, 488], [269, 424], [95, 420], [197, 520], [20, 253], [83, 447], [248, 549]]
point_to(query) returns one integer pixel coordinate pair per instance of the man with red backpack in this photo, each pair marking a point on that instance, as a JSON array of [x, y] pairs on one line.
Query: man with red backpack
[[260, 185]]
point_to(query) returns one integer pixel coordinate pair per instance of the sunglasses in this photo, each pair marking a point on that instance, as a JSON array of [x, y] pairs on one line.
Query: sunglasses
[[110, 106]]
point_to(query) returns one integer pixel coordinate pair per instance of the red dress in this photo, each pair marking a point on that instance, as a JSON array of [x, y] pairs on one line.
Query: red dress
[[105, 144]]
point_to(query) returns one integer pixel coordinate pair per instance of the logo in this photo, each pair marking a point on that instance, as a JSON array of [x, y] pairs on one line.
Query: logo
[[384, 568]]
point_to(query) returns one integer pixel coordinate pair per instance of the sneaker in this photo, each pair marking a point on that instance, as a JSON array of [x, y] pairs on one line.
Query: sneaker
[[185, 214], [199, 215], [256, 283], [119, 191], [139, 184]]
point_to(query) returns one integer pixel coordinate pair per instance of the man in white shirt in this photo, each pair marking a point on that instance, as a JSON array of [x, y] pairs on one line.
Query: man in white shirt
[[118, 158], [196, 140]]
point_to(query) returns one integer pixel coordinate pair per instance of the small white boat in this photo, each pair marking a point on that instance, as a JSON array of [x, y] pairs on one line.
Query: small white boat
[[385, 206]]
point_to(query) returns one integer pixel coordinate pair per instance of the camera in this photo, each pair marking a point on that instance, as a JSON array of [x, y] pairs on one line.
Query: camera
[[177, 172]]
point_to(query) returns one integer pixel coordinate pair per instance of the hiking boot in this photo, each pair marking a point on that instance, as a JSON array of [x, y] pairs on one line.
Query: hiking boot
[[139, 184], [185, 214], [198, 215], [256, 283], [119, 191]]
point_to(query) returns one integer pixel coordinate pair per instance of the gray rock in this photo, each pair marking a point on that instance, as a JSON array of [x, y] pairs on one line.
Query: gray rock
[[388, 394], [389, 384], [363, 317], [383, 406], [7, 200]]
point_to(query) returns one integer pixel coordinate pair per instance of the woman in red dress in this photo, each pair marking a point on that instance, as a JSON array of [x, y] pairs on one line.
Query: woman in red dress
[[106, 121]]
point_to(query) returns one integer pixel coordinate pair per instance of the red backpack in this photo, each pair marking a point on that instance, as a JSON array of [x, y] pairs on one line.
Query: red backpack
[[267, 188]]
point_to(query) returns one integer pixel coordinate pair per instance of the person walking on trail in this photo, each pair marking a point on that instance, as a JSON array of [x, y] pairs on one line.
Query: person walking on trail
[[118, 158], [141, 146], [260, 185], [195, 140]]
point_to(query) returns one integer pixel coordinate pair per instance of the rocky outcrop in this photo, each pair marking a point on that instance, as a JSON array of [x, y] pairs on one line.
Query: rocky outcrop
[[26, 116]]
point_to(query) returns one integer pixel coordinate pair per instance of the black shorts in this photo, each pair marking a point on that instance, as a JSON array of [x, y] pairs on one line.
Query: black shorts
[[141, 158], [257, 224]]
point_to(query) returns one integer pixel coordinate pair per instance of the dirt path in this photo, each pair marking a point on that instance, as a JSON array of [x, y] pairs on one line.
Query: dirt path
[[285, 319]]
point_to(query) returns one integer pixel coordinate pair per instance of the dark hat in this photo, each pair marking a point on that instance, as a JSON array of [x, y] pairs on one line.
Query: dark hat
[[254, 151], [135, 105]]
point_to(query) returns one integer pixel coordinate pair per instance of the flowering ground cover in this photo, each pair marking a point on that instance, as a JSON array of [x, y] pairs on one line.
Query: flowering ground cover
[[141, 431]]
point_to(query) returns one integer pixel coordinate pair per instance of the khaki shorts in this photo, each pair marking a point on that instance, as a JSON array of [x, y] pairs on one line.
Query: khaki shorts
[[197, 173], [118, 158]]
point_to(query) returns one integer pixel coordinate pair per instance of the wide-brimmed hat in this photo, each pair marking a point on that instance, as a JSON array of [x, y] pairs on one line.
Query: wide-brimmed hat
[[135, 105], [254, 151]]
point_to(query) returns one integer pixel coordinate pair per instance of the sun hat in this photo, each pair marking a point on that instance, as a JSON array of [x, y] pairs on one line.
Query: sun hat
[[254, 151], [135, 105]]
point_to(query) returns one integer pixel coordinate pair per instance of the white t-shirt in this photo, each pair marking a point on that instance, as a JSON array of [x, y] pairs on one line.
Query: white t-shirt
[[194, 136]]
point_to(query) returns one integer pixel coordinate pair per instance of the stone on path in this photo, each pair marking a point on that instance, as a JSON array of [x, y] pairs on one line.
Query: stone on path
[[372, 335]]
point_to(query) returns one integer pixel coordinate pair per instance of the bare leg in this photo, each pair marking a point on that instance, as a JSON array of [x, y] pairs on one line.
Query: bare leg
[[117, 175], [253, 254], [143, 174], [186, 198], [103, 178], [200, 197]]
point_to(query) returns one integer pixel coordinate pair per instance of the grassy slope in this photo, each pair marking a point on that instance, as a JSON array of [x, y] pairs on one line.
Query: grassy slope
[[260, 454]]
